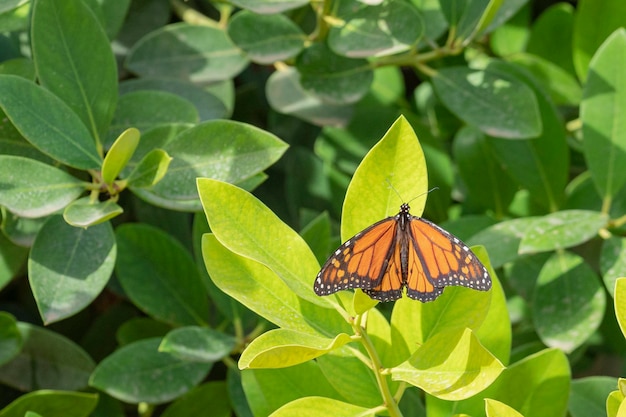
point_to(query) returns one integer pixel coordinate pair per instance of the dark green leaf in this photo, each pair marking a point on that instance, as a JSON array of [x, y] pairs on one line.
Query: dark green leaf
[[138, 372], [197, 344], [266, 39], [333, 78], [49, 403], [33, 189], [210, 397], [317, 235], [10, 338], [364, 30], [139, 328], [74, 60], [499, 105], [48, 123], [568, 302], [12, 260], [588, 395], [47, 361], [159, 275], [269, 6], [195, 53], [601, 112], [69, 266], [613, 261]]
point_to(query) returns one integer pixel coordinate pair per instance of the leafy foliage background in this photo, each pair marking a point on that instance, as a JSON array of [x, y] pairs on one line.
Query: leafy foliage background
[[127, 286]]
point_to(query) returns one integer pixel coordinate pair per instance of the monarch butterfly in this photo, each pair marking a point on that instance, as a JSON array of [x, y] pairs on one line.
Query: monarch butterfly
[[402, 251]]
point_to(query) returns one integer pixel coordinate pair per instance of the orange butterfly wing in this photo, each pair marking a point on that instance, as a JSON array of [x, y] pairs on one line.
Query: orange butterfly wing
[[368, 260], [438, 259]]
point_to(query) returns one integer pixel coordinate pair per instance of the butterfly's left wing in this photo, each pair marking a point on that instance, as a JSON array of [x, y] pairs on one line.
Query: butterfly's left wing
[[362, 261], [438, 259]]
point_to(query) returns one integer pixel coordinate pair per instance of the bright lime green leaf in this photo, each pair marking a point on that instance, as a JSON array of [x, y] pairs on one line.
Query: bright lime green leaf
[[48, 123], [262, 291], [33, 189], [321, 407], [620, 303], [286, 95], [49, 403], [279, 348], [451, 365], [119, 154], [210, 396], [269, 6], [82, 72], [331, 77], [497, 104], [135, 373], [266, 39], [44, 353], [244, 225], [604, 102], [568, 302], [84, 213], [197, 344], [159, 275], [589, 35], [265, 388], [361, 30], [150, 170], [495, 408], [69, 266], [588, 396], [612, 261], [10, 338], [393, 172], [200, 54], [362, 302], [621, 412], [613, 402], [562, 229]]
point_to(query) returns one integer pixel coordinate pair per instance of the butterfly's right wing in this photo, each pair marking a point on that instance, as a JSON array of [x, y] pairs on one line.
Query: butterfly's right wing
[[368, 260]]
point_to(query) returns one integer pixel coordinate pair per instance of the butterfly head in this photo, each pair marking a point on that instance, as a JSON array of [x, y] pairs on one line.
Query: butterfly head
[[404, 208]]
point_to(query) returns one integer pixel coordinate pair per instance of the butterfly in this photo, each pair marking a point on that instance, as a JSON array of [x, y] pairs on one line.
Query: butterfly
[[402, 251]]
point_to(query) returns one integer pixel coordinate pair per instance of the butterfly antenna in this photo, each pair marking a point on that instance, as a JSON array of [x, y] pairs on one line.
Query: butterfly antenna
[[427, 192], [394, 190]]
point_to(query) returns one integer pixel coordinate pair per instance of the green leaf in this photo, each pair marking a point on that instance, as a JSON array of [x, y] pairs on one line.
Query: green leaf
[[208, 104], [392, 172], [362, 302], [279, 348], [147, 109], [136, 373], [286, 95], [498, 104], [262, 291], [139, 328], [568, 302], [68, 267], [220, 149], [588, 396], [196, 53], [150, 170], [451, 365], [10, 338], [320, 407], [48, 123], [333, 78], [197, 344], [487, 182], [495, 408], [119, 154], [268, 389], [74, 60], [269, 6], [589, 35], [47, 360], [604, 137], [317, 235], [33, 189], [48, 403], [160, 276], [363, 30], [612, 261], [84, 212], [502, 239], [12, 257], [247, 227], [210, 396], [562, 229], [266, 39], [619, 303], [541, 164], [468, 17]]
